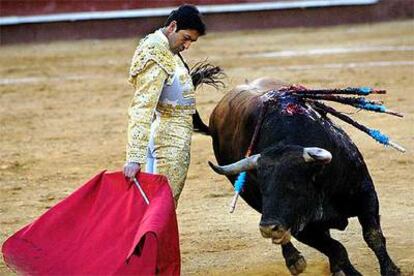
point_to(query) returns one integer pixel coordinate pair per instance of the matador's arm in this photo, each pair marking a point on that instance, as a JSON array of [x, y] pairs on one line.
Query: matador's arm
[[148, 85]]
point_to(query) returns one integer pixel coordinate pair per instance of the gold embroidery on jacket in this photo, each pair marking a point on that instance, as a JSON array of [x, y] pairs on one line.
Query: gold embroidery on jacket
[[152, 67], [152, 48], [149, 84]]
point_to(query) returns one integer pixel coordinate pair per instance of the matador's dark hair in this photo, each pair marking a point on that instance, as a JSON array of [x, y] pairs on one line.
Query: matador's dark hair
[[187, 17]]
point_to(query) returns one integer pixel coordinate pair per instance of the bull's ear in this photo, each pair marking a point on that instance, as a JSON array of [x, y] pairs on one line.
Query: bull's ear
[[316, 155], [248, 163]]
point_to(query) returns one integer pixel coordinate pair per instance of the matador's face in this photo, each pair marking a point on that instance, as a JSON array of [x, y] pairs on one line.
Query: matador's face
[[180, 40]]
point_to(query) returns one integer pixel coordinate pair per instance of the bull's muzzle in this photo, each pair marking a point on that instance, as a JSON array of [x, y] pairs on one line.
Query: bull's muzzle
[[278, 234]]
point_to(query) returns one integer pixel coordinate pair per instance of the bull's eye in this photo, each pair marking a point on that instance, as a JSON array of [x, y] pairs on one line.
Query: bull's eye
[[296, 188], [293, 186]]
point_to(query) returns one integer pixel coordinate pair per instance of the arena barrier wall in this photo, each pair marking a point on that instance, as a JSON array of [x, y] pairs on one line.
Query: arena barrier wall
[[99, 21]]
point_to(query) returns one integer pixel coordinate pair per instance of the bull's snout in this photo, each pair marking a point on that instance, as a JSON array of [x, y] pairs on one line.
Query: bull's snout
[[277, 233]]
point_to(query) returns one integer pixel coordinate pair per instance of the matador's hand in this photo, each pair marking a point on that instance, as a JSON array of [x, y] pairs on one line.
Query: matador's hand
[[131, 169]]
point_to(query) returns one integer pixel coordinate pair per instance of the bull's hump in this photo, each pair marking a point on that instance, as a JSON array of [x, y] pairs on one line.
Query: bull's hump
[[260, 86], [266, 84]]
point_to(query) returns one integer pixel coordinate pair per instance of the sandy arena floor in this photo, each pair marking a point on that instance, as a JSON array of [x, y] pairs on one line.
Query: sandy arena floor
[[63, 119]]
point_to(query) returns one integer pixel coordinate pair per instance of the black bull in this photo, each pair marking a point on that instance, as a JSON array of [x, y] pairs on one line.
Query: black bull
[[306, 175]]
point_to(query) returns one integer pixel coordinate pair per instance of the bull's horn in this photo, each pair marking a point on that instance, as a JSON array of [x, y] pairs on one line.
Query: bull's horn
[[317, 154], [245, 164]]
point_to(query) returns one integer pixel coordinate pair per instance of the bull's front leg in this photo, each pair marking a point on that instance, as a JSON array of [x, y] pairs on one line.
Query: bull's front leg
[[376, 241], [321, 240], [295, 262], [371, 229]]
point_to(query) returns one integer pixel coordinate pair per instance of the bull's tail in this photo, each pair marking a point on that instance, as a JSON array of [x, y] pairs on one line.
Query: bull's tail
[[199, 126], [205, 73]]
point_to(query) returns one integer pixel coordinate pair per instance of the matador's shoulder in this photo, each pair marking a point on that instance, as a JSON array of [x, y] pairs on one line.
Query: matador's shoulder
[[153, 48]]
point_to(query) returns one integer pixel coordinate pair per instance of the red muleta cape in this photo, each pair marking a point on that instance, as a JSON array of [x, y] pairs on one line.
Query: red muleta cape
[[103, 228]]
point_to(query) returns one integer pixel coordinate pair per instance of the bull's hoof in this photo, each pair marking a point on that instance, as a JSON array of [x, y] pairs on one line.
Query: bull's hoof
[[296, 265], [392, 271], [295, 262], [348, 271], [339, 273]]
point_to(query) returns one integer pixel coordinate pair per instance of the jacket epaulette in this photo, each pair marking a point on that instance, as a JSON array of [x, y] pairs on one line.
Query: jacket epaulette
[[152, 48]]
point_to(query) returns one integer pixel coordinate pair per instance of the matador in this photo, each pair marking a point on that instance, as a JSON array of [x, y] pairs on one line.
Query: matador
[[160, 114]]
